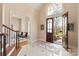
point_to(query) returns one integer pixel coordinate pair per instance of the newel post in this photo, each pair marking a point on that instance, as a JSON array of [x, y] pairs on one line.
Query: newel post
[[17, 39]]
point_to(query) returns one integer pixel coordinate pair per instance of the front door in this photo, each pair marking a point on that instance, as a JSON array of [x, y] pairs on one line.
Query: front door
[[49, 30], [65, 30]]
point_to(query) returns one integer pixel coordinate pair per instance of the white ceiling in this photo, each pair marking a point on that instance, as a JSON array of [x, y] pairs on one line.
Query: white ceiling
[[35, 5]]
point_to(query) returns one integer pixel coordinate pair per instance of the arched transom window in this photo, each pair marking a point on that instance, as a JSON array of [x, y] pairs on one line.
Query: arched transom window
[[54, 8]]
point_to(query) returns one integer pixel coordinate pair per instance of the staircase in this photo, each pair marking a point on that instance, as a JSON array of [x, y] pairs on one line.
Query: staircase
[[9, 42]]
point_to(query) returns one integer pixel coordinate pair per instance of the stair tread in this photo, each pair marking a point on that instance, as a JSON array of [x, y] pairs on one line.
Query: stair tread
[[9, 48], [16, 51]]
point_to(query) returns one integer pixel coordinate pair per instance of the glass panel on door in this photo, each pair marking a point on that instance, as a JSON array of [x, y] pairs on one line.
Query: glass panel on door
[[49, 25], [49, 30]]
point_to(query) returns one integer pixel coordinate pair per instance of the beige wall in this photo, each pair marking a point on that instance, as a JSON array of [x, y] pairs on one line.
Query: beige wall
[[16, 22], [72, 9], [72, 18], [42, 17], [78, 29], [0, 16], [23, 9]]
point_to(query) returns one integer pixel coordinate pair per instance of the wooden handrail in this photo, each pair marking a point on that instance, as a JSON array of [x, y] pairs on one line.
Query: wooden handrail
[[1, 34], [10, 28]]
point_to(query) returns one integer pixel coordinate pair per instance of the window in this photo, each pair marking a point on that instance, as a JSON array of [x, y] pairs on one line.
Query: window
[[54, 8], [49, 25]]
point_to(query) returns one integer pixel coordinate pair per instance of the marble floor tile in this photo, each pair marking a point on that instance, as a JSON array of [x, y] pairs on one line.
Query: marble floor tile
[[40, 48]]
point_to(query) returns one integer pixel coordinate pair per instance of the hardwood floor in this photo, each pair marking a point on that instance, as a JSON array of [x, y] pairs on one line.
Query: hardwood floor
[[16, 51], [9, 48], [24, 43]]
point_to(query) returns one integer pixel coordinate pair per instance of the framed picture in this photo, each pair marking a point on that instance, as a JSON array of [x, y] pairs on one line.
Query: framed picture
[[42, 27], [71, 27]]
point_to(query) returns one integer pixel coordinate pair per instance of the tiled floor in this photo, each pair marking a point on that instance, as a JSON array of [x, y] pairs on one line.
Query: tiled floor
[[40, 48], [59, 41]]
